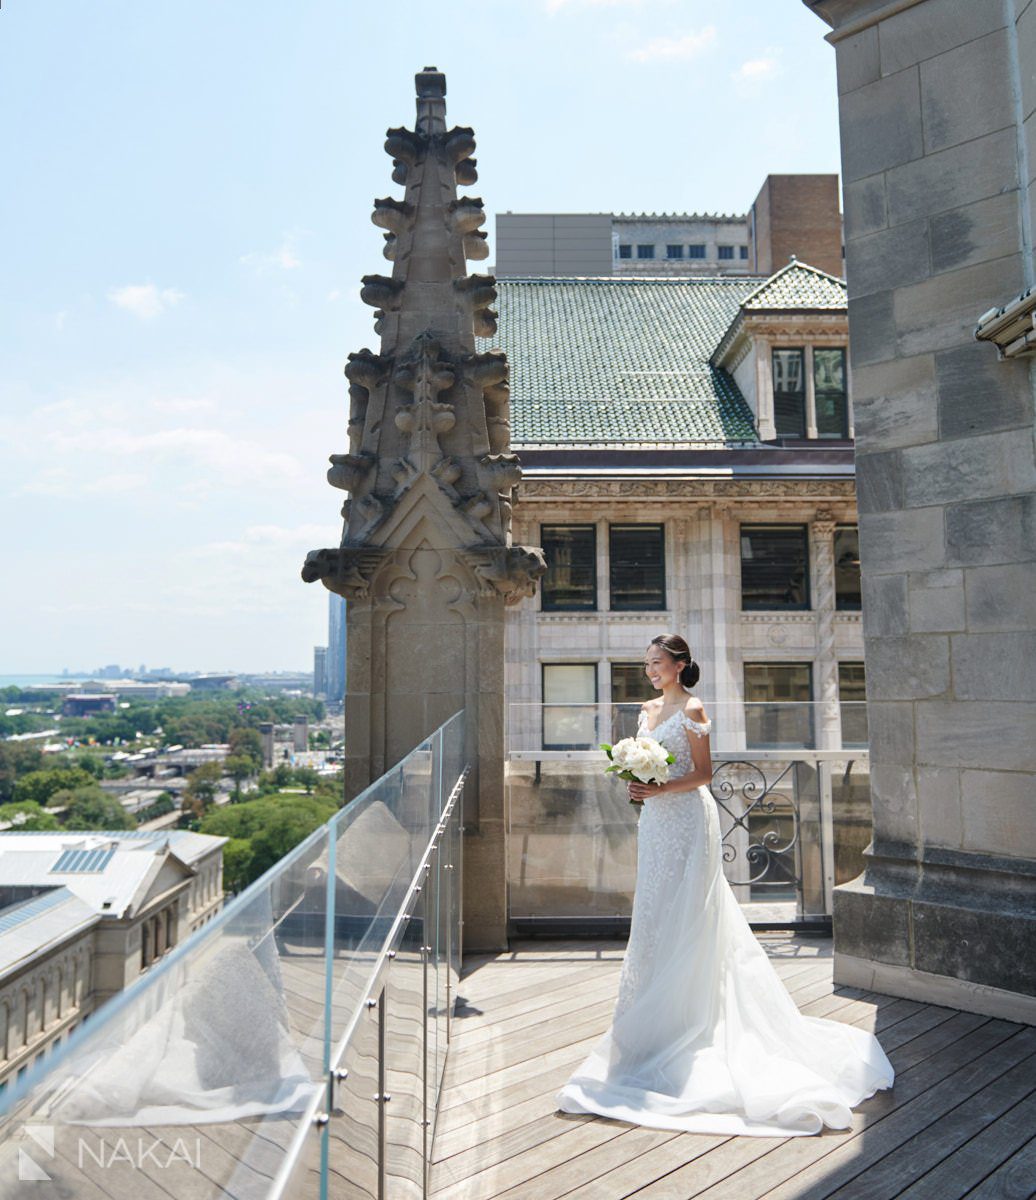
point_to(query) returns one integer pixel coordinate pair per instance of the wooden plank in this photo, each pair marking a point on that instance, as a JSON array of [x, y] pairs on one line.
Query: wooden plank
[[1012, 1180], [892, 1122], [912, 1158], [968, 1166], [499, 1177], [638, 1171]]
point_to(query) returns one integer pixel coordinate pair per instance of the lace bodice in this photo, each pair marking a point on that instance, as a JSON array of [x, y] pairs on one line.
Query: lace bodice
[[670, 733]]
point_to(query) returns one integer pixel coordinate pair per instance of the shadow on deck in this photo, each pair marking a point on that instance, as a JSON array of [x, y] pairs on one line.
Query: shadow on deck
[[959, 1121]]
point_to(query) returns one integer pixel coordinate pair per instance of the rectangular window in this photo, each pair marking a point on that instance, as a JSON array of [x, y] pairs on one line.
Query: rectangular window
[[637, 567], [726, 252], [744, 251], [625, 250], [696, 251], [570, 706], [674, 251], [570, 584], [645, 251], [774, 567], [778, 706], [829, 388], [852, 695], [630, 689], [789, 393], [847, 568]]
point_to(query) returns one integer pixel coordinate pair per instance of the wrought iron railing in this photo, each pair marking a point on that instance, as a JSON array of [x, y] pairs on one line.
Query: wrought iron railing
[[295, 1045]]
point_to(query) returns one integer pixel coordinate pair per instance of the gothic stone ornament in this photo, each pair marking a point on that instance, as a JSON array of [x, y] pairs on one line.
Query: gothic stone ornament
[[429, 421]]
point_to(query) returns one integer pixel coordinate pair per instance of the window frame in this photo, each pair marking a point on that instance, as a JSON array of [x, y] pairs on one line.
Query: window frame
[[725, 253], [697, 250], [755, 526], [582, 525], [643, 248], [776, 349], [544, 703], [627, 247], [844, 526], [674, 250], [843, 394], [809, 741], [663, 593]]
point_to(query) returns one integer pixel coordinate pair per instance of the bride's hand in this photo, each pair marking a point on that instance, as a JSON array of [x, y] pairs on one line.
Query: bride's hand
[[639, 792]]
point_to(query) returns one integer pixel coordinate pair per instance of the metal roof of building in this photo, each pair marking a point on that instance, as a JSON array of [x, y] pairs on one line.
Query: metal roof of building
[[31, 926], [625, 360]]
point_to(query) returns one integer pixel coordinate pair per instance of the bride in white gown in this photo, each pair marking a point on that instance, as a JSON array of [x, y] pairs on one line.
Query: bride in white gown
[[705, 1036]]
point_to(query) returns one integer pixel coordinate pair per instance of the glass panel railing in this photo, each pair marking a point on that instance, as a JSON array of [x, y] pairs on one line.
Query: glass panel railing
[[294, 1045], [791, 791]]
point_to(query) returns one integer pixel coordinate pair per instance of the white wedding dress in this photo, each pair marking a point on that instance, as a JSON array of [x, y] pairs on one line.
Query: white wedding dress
[[705, 1036]]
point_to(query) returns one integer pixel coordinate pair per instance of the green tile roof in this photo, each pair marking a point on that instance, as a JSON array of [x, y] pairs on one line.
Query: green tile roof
[[621, 360], [796, 287]]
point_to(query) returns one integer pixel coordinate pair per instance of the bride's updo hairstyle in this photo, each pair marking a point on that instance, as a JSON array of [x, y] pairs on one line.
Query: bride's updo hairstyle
[[675, 646]]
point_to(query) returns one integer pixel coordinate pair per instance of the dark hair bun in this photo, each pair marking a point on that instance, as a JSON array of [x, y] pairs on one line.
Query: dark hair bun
[[690, 674]]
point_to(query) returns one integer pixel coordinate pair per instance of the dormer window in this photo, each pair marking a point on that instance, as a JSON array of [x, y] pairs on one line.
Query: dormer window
[[829, 389], [789, 392], [810, 399]]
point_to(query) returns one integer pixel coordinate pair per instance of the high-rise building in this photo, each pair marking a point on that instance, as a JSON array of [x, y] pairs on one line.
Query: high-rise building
[[793, 215], [319, 670], [335, 663]]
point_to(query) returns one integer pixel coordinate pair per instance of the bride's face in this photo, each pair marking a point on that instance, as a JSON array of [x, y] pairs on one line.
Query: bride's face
[[661, 668]]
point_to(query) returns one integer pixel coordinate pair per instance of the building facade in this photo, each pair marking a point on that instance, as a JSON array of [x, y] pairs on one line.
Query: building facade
[[687, 458], [82, 915]]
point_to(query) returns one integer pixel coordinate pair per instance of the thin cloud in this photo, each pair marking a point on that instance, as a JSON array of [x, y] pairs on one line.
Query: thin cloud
[[675, 49], [284, 258], [757, 70], [144, 300]]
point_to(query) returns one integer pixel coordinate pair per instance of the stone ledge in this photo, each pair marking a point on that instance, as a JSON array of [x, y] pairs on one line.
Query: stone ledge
[[929, 988]]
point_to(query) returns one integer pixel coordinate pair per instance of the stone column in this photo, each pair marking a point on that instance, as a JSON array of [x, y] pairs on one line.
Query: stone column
[[935, 115], [826, 711], [426, 560]]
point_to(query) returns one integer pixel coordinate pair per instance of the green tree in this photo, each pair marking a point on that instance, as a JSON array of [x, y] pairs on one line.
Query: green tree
[[247, 741], [272, 825], [307, 777], [239, 767], [28, 815], [237, 864], [16, 759], [41, 785], [90, 808], [202, 784]]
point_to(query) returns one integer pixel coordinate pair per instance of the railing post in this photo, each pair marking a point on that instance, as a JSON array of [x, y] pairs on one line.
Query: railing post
[[827, 834], [425, 950], [381, 1098], [448, 867]]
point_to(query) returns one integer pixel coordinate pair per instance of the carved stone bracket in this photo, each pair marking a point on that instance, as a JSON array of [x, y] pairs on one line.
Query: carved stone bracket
[[511, 571], [347, 570]]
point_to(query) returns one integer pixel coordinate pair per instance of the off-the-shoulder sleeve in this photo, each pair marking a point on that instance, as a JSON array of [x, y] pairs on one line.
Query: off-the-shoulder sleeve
[[701, 728]]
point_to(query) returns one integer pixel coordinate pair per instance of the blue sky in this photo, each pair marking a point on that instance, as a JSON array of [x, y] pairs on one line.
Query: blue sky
[[184, 222]]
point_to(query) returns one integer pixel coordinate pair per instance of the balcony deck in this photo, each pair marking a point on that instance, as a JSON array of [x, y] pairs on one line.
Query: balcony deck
[[960, 1120]]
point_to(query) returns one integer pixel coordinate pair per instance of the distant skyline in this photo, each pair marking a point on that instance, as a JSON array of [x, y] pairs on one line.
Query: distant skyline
[[184, 227]]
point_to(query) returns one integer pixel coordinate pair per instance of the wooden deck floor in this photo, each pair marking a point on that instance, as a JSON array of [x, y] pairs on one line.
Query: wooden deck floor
[[960, 1120]]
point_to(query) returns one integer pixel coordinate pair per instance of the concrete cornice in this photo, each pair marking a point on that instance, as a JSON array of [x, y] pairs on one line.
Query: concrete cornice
[[847, 17]]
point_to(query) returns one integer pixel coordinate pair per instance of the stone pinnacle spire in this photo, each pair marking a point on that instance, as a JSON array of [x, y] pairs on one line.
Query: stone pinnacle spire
[[429, 417]]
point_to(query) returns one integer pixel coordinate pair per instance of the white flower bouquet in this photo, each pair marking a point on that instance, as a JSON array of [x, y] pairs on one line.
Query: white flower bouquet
[[640, 760]]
